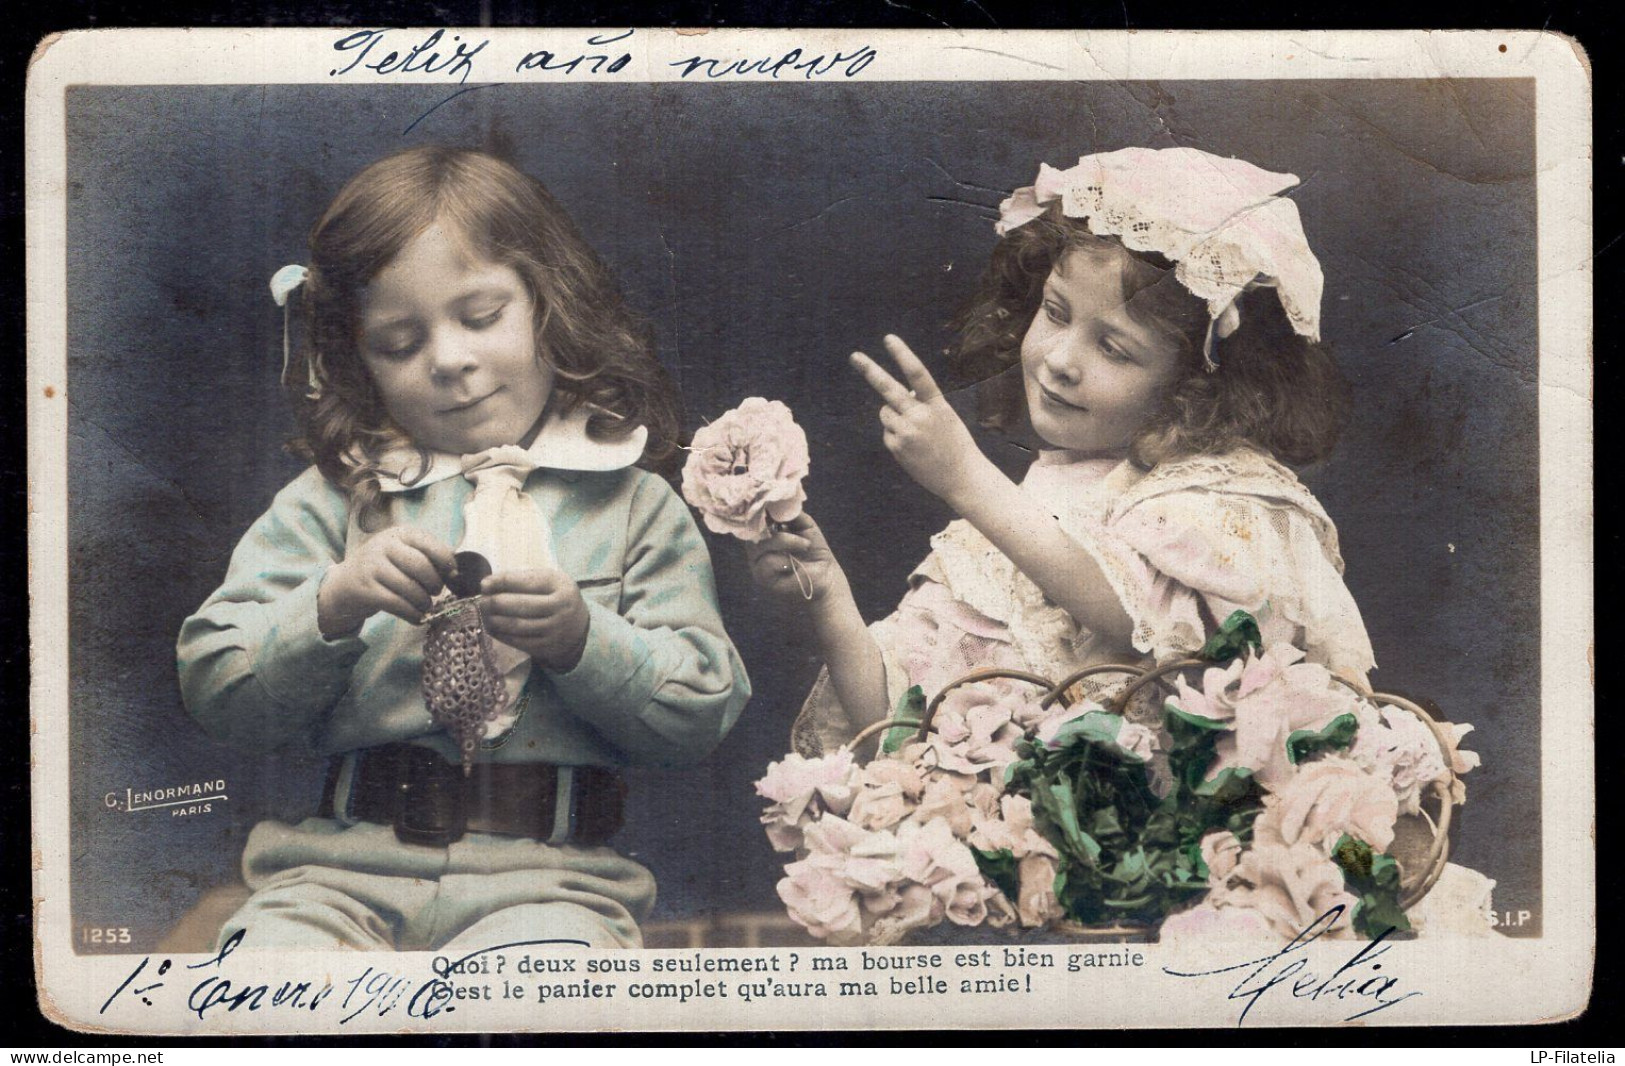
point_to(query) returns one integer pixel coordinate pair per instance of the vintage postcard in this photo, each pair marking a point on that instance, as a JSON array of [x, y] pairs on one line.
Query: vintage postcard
[[596, 529]]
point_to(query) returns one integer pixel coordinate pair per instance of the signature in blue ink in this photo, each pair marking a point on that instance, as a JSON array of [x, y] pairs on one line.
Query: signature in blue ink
[[423, 57], [1359, 979], [849, 64]]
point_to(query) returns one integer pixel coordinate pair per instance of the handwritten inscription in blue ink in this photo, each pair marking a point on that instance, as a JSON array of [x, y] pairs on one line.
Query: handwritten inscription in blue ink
[[594, 63], [847, 64], [424, 57], [374, 991], [1359, 979]]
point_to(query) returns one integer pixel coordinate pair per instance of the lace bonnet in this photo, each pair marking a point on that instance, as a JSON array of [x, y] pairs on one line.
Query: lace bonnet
[[1221, 221]]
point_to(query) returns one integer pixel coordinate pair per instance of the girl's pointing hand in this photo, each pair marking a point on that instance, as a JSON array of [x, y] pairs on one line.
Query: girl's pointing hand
[[920, 429]]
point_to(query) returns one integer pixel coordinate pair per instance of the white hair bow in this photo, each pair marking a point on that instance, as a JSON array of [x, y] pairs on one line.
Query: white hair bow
[[283, 283]]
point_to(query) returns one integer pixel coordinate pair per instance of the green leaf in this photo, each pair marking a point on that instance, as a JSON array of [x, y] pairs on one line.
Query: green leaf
[[911, 708], [1000, 867], [1196, 721], [1064, 811], [1338, 734], [1374, 878], [1235, 634], [1096, 727], [1227, 785]]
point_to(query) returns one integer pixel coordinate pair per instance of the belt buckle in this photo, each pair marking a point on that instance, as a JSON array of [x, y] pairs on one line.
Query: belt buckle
[[432, 809]]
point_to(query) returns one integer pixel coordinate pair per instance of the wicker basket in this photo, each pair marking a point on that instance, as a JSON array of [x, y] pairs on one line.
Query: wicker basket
[[1421, 844]]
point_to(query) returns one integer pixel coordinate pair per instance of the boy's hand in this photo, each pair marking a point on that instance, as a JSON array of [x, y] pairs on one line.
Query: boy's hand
[[539, 612], [401, 571], [925, 434], [794, 564]]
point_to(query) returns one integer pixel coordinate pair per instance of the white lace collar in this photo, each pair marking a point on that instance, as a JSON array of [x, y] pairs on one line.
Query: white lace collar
[[562, 444]]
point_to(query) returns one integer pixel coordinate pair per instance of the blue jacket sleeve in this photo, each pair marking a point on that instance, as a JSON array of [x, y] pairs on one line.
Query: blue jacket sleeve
[[659, 677], [255, 670]]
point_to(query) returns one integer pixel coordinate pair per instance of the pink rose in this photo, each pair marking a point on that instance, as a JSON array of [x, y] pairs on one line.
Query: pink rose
[[947, 797], [1215, 699], [880, 807], [1011, 828], [1208, 922], [905, 775], [745, 469], [1037, 904], [965, 898], [1289, 887], [821, 902], [913, 907], [976, 730], [832, 836], [1460, 761], [1138, 740], [794, 783], [1221, 851], [1325, 799], [930, 855], [986, 799], [1398, 748], [1299, 696]]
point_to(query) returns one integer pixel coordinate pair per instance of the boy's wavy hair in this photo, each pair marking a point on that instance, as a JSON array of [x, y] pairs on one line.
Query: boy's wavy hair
[[602, 353], [1273, 389]]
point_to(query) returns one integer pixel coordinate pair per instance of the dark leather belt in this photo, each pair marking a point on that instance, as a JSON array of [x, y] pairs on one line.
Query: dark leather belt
[[430, 801]]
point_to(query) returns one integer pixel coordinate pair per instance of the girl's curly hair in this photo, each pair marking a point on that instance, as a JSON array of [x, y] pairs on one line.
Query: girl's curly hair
[[1273, 389], [602, 353]]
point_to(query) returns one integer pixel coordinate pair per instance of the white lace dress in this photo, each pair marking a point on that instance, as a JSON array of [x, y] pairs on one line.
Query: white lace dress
[[1183, 546]]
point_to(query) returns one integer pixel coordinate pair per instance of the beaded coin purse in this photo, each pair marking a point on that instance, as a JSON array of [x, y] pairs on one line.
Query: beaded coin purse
[[462, 684]]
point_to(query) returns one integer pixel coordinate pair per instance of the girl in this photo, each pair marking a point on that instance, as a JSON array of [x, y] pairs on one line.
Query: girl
[[479, 399], [1151, 316]]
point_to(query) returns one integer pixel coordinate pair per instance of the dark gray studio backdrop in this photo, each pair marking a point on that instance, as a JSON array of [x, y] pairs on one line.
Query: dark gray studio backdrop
[[768, 230]]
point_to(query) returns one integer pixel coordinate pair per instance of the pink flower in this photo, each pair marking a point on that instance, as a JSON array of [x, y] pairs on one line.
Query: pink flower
[[1224, 686], [905, 775], [821, 902], [1460, 761], [833, 837], [880, 807], [1216, 698], [1221, 851], [793, 784], [1288, 887], [1138, 740], [930, 855], [1210, 922], [745, 469], [1037, 904], [976, 730], [947, 796], [1399, 748], [1011, 828], [913, 907], [1299, 696], [1325, 799], [986, 799]]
